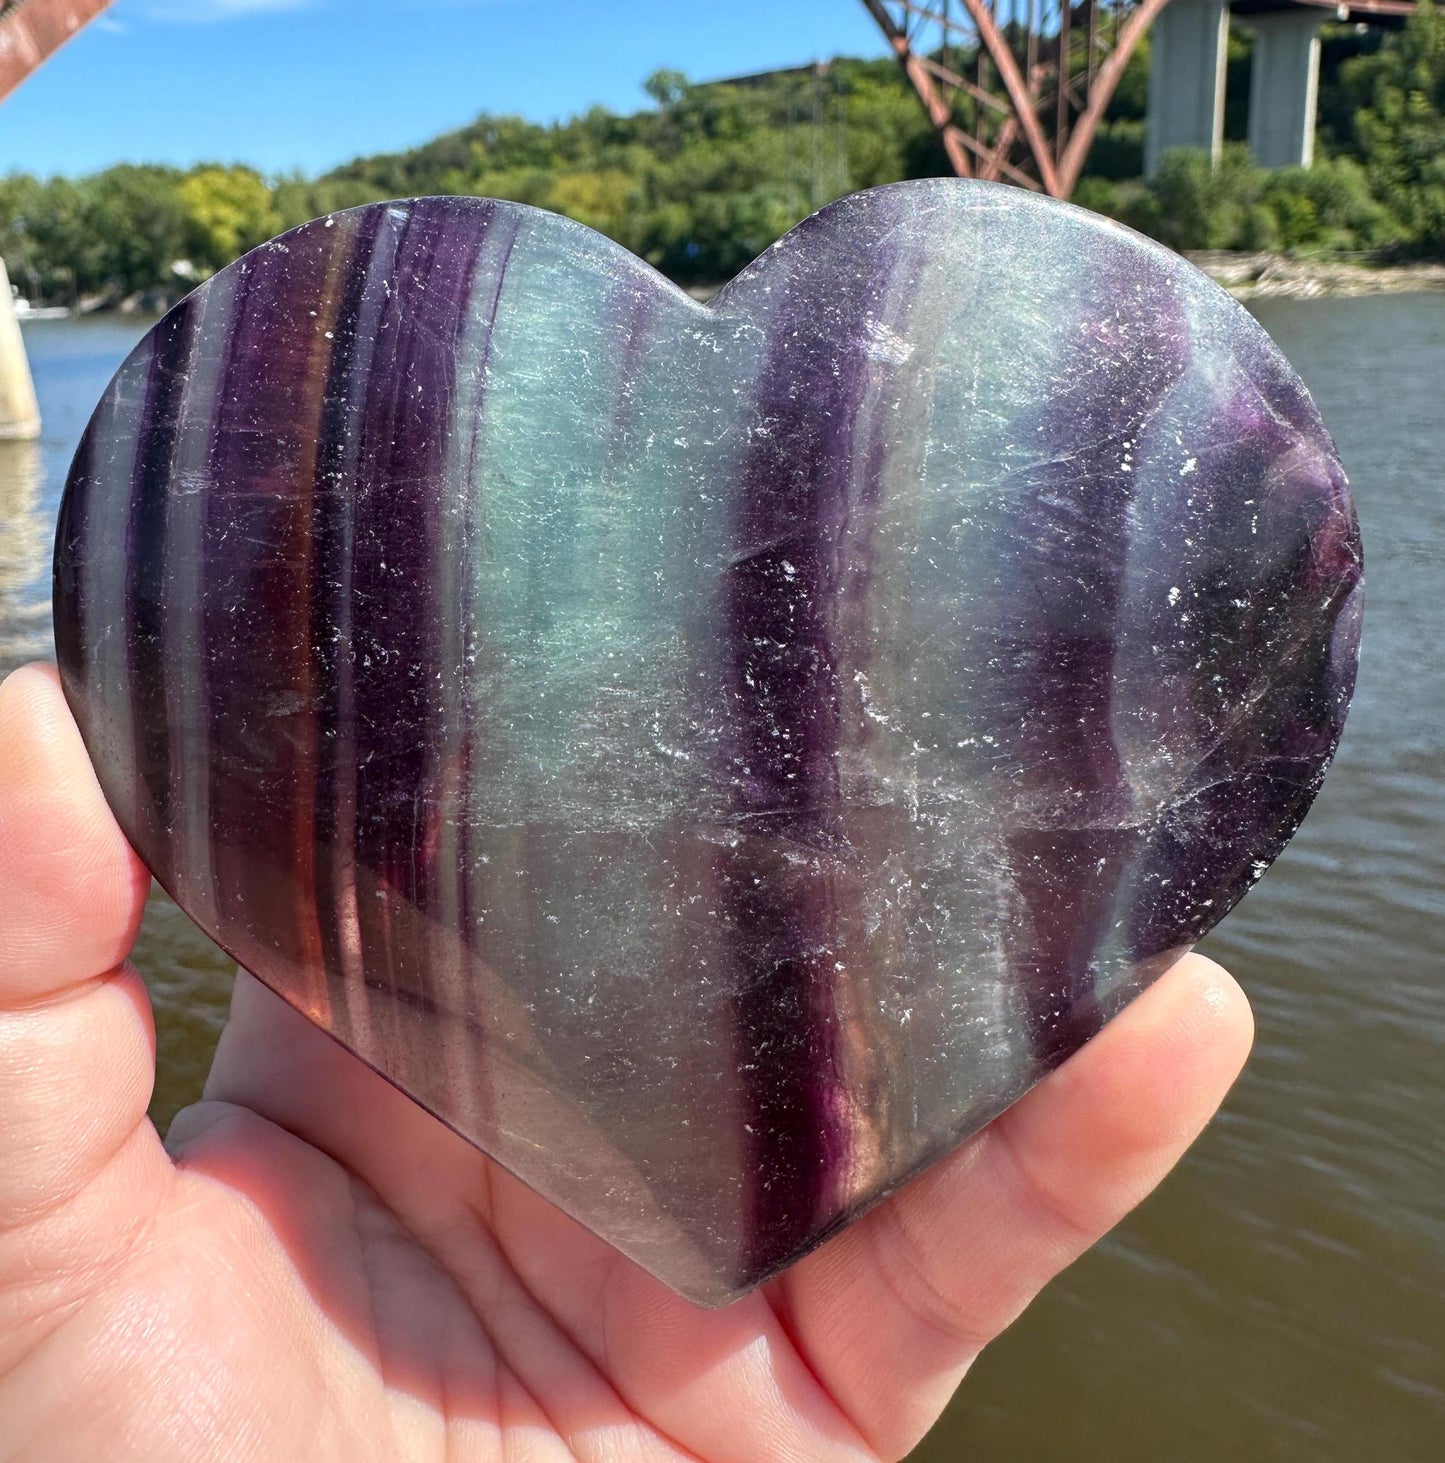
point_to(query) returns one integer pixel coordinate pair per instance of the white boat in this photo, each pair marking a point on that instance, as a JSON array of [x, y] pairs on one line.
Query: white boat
[[24, 310]]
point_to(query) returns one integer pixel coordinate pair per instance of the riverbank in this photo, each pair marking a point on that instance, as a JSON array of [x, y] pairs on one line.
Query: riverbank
[[1245, 276], [1281, 276], [1278, 276]]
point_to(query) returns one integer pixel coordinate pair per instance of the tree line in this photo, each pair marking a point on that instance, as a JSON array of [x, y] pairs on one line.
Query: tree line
[[710, 174]]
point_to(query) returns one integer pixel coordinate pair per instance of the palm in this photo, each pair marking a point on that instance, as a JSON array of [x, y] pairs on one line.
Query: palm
[[319, 1270]]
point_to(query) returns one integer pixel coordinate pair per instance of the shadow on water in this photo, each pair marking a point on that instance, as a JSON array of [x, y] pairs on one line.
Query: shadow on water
[[1283, 1297]]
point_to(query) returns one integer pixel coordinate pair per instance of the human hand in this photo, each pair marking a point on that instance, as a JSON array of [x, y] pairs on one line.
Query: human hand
[[313, 1268]]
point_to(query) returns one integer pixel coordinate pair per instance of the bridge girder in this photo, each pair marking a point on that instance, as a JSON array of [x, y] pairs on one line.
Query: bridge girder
[[1043, 74], [30, 30]]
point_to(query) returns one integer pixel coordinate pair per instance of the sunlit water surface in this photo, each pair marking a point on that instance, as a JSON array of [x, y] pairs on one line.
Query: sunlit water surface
[[1283, 1297]]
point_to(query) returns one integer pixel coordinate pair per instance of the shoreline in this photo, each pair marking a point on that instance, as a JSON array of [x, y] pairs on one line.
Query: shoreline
[[1278, 276], [1259, 276]]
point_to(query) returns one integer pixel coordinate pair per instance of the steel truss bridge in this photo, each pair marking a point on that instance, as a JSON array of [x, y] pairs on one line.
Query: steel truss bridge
[[1014, 89]]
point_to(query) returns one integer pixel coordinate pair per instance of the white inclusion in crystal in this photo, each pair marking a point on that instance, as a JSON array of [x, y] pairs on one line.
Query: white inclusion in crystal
[[1174, 595], [869, 709], [1188, 467], [886, 345]]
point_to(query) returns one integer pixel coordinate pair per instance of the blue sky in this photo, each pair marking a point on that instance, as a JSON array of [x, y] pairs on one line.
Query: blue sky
[[310, 83]]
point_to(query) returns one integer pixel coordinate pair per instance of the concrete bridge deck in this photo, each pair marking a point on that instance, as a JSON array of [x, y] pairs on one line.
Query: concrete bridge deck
[[1186, 78]]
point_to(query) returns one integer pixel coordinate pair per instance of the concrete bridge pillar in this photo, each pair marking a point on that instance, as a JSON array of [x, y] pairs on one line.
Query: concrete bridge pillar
[[1186, 79], [1284, 87], [19, 411]]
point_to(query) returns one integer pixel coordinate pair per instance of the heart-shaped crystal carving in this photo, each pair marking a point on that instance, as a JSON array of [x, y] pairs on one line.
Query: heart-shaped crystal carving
[[714, 757]]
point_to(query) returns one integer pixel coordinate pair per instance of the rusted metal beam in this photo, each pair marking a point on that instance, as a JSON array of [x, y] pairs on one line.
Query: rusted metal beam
[[1063, 97], [1071, 163], [1007, 67], [960, 83], [1047, 71], [1015, 112], [999, 166], [31, 30], [1027, 47], [992, 164], [940, 114]]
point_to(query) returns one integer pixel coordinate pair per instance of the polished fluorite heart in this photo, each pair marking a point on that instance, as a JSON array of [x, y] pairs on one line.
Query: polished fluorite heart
[[714, 757]]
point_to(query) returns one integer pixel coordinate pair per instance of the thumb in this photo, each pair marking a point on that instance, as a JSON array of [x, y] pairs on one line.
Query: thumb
[[77, 1048]]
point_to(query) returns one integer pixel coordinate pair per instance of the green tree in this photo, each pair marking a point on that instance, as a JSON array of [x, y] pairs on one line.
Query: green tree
[[137, 226], [228, 211], [1328, 207], [1400, 126], [1196, 204], [710, 175], [666, 88]]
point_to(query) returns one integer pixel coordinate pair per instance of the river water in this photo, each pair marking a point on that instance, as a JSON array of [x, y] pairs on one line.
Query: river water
[[1282, 1299]]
